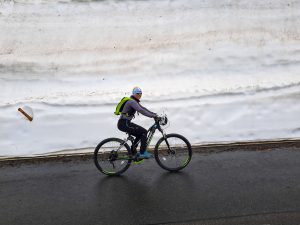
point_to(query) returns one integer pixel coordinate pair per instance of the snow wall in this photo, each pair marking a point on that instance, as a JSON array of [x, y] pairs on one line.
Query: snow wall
[[222, 71]]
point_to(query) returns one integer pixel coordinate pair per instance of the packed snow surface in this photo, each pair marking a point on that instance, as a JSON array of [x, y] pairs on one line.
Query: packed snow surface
[[222, 71]]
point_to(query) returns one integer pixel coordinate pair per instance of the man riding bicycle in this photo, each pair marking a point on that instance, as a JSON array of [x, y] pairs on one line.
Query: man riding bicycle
[[124, 124]]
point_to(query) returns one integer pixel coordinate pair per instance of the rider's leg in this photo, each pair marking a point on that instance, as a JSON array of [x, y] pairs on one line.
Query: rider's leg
[[133, 129], [134, 146], [143, 142], [140, 133]]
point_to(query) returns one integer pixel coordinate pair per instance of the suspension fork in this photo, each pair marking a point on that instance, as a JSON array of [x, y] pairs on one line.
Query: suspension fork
[[166, 140]]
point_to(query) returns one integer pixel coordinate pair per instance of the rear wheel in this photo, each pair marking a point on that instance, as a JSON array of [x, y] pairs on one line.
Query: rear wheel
[[112, 157], [173, 153]]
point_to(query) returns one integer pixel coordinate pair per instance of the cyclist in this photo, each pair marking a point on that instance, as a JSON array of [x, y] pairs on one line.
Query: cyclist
[[124, 124]]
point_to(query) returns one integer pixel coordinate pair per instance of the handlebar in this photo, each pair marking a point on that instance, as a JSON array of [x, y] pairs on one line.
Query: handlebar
[[162, 120], [157, 119]]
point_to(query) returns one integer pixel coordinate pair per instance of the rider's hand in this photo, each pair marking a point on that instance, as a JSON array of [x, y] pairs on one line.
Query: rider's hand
[[157, 118]]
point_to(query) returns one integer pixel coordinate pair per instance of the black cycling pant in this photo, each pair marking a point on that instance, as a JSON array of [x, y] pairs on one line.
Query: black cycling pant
[[133, 129]]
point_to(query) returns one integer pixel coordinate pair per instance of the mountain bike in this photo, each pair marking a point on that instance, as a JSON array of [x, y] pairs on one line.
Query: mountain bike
[[172, 152]]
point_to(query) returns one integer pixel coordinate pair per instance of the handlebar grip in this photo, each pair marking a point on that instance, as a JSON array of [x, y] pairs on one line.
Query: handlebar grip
[[157, 119]]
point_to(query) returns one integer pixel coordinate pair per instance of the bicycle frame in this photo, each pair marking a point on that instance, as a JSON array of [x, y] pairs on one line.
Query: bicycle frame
[[172, 152], [150, 134]]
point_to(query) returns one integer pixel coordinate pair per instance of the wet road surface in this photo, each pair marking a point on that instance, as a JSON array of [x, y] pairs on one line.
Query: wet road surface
[[241, 187]]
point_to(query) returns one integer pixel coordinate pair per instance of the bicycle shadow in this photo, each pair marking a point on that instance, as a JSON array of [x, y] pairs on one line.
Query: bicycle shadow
[[123, 186], [137, 184], [134, 192], [182, 179]]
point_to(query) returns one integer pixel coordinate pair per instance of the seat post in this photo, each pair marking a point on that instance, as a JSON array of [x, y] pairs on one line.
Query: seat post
[[130, 138]]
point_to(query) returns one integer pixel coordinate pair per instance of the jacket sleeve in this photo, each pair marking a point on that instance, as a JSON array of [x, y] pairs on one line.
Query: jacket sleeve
[[142, 109]]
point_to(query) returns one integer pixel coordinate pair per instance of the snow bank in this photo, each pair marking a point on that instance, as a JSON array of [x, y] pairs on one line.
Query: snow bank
[[222, 71]]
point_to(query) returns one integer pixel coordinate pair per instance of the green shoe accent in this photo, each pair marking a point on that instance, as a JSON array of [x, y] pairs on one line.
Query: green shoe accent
[[138, 162]]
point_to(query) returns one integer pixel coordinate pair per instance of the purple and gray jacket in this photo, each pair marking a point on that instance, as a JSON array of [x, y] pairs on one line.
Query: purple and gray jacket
[[133, 106]]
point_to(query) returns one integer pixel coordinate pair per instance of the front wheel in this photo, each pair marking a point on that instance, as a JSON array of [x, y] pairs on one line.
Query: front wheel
[[112, 157], [173, 152]]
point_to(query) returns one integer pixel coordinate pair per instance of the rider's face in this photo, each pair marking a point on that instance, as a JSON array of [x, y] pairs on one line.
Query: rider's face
[[138, 96]]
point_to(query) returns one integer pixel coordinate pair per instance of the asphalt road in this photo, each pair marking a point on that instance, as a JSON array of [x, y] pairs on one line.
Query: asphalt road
[[242, 187]]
